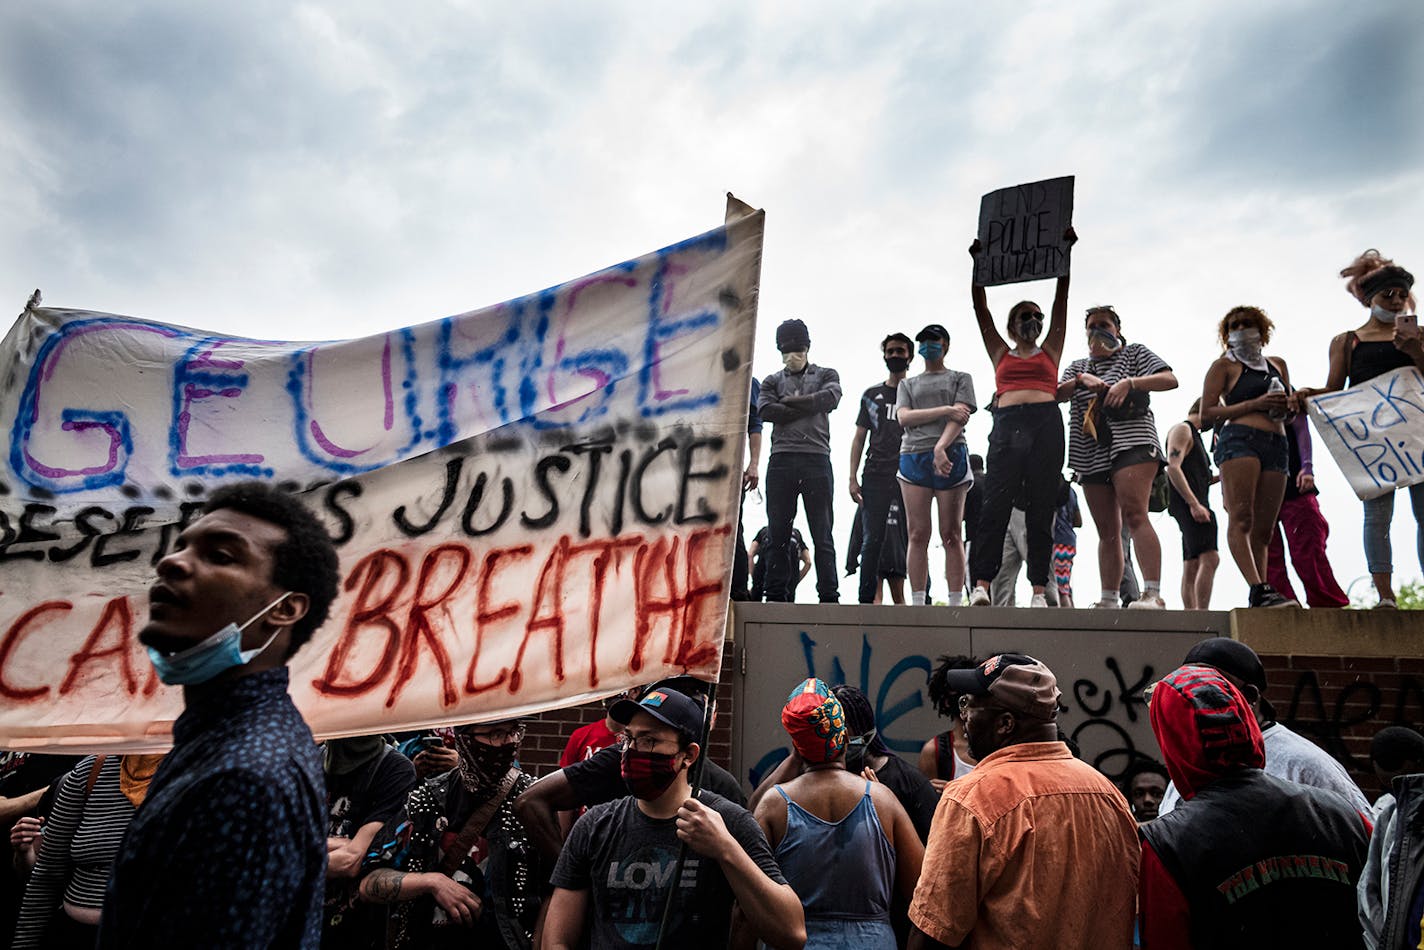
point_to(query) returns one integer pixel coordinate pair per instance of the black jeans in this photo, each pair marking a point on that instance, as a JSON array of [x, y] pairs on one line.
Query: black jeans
[[1025, 462], [790, 475], [877, 494]]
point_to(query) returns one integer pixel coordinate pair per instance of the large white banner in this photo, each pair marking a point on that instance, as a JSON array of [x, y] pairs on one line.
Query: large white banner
[[534, 503], [1375, 431]]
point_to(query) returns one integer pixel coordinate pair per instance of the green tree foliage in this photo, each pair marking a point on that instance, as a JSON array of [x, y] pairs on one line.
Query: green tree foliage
[[1411, 596]]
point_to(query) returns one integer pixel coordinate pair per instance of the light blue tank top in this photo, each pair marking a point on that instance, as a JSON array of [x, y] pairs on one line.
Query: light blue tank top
[[843, 872]]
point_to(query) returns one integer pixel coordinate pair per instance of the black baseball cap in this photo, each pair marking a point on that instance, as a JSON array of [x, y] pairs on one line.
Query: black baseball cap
[[1236, 658], [1230, 656], [933, 331], [1016, 682], [668, 707]]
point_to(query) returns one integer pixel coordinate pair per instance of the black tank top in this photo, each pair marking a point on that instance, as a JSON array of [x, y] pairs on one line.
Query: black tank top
[[1371, 359], [1197, 472], [1251, 383], [944, 755]]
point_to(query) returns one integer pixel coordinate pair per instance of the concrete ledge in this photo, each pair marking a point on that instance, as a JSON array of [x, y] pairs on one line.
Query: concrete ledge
[[1205, 622], [1373, 633]]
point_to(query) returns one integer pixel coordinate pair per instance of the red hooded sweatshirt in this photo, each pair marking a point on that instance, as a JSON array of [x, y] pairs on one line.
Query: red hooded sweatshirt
[[1205, 729], [1209, 737]]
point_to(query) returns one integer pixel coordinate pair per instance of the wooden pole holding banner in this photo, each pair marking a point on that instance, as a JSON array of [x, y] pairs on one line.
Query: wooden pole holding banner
[[736, 208], [695, 775]]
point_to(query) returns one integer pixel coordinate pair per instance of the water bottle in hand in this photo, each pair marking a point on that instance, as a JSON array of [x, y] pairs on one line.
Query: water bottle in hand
[[1276, 386]]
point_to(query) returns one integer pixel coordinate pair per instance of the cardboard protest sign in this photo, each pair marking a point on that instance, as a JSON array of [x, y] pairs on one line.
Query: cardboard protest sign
[[1021, 232], [534, 503], [1375, 431]]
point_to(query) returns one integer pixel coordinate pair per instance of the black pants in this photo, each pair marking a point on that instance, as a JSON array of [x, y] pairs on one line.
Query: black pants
[[792, 475], [66, 933], [1025, 463], [740, 563], [877, 494]]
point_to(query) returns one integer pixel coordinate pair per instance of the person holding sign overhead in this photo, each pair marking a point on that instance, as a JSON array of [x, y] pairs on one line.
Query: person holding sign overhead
[[1245, 398], [1113, 448], [1026, 443], [1384, 343]]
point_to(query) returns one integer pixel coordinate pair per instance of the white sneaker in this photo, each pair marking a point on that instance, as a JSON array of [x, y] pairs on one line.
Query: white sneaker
[[1038, 601], [979, 597], [1106, 604], [1148, 603]]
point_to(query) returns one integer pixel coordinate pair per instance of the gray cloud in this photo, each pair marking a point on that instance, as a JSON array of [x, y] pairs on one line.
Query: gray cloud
[[1308, 95]]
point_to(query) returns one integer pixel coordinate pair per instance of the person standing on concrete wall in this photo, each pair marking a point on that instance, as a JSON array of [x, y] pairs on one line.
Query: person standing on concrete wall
[[1189, 475], [1381, 344], [1026, 445], [1113, 448], [1067, 519], [797, 401], [878, 489], [1244, 396], [1305, 529], [934, 408]]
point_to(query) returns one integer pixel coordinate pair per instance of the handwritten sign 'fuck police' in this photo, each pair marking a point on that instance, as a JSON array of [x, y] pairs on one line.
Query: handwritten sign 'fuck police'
[[1375, 431]]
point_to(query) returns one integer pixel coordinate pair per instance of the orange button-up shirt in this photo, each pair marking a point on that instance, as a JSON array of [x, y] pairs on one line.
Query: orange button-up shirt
[[1033, 849]]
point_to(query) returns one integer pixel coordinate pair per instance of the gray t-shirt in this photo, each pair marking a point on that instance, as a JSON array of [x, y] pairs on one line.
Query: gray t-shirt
[[928, 391], [625, 859], [1296, 759]]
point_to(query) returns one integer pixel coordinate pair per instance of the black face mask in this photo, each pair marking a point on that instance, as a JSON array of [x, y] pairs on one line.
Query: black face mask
[[483, 767], [897, 364], [857, 747]]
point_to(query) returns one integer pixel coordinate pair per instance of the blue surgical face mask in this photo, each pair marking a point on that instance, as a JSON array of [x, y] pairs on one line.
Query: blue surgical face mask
[[1382, 314], [931, 351], [218, 653]]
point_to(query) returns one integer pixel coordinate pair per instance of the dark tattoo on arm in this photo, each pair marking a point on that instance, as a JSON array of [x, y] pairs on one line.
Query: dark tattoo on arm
[[383, 886], [1176, 453]]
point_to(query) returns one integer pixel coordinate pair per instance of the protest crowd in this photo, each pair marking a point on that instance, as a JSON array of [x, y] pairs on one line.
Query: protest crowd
[[1017, 509], [248, 833]]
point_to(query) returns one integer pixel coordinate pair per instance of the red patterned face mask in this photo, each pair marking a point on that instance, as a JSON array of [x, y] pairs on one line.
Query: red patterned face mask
[[648, 774]]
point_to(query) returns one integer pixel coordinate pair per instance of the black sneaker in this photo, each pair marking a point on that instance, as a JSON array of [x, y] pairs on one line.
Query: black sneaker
[[1266, 596]]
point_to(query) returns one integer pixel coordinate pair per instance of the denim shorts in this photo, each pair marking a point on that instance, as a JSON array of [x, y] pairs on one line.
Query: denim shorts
[[918, 469], [1238, 441]]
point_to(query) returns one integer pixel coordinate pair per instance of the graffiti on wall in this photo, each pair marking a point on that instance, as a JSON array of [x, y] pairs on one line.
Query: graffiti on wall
[[1104, 712]]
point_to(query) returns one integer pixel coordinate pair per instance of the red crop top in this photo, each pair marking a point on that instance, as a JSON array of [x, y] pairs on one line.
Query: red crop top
[[1035, 372]]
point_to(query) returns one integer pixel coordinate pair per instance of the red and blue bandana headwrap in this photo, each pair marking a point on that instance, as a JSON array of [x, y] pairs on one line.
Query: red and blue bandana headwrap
[[814, 720]]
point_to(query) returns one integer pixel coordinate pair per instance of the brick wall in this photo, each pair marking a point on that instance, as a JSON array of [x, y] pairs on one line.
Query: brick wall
[[1340, 702], [547, 734], [1339, 676]]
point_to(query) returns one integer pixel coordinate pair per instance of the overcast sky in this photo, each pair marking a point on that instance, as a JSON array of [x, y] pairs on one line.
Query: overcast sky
[[328, 170]]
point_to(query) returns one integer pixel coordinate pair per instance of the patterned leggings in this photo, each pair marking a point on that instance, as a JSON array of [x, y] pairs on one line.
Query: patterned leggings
[[1063, 568]]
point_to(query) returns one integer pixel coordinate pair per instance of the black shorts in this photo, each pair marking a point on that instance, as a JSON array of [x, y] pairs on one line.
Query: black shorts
[[1133, 456], [1197, 538]]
